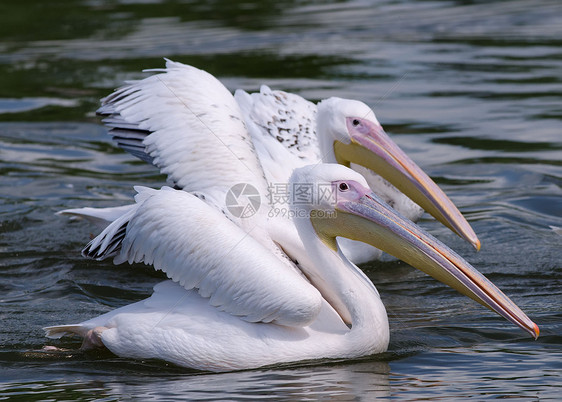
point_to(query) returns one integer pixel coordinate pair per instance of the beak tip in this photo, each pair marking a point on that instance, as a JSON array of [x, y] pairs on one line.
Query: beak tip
[[536, 331], [476, 244]]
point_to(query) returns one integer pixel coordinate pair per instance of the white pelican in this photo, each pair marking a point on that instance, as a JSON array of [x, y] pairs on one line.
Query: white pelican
[[148, 119], [236, 303], [189, 125]]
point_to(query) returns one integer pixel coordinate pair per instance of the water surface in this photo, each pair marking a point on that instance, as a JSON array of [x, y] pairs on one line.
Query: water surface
[[471, 90]]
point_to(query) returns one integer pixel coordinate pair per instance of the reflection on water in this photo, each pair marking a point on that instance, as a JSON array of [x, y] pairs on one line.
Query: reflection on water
[[508, 373], [325, 381], [470, 90]]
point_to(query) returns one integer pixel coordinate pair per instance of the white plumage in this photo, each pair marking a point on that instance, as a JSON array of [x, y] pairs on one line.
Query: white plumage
[[187, 124], [286, 127], [184, 121], [232, 303], [199, 248]]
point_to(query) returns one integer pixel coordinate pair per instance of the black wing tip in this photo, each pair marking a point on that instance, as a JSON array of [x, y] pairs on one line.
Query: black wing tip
[[98, 250]]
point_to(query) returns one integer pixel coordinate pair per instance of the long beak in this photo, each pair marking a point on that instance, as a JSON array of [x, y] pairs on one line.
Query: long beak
[[371, 220], [372, 148]]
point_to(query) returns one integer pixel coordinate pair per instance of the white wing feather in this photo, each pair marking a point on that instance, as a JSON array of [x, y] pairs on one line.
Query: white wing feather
[[288, 118], [98, 216], [176, 119], [283, 129], [236, 272]]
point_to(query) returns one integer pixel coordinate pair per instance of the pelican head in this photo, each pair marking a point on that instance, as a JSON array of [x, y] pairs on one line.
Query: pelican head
[[354, 211], [349, 132]]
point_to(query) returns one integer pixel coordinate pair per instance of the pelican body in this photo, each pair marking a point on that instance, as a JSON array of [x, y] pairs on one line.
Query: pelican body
[[233, 303]]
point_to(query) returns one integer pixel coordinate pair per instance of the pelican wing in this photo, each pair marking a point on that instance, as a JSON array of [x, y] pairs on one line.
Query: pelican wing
[[283, 127], [97, 216], [175, 120], [170, 230]]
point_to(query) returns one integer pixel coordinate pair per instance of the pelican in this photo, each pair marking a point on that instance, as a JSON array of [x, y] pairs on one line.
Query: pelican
[[234, 302], [186, 122], [148, 119]]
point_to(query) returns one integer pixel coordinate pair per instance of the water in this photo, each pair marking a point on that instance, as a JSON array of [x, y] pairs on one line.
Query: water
[[471, 90]]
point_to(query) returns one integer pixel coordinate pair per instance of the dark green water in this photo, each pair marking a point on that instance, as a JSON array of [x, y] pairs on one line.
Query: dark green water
[[471, 90]]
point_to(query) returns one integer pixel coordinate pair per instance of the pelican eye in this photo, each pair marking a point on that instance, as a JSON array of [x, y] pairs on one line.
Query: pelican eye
[[344, 187], [355, 122]]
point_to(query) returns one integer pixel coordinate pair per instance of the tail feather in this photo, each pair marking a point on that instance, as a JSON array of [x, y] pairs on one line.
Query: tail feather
[[58, 331]]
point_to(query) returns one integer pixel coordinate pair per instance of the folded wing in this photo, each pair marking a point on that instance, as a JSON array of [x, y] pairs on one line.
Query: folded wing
[[200, 248]]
